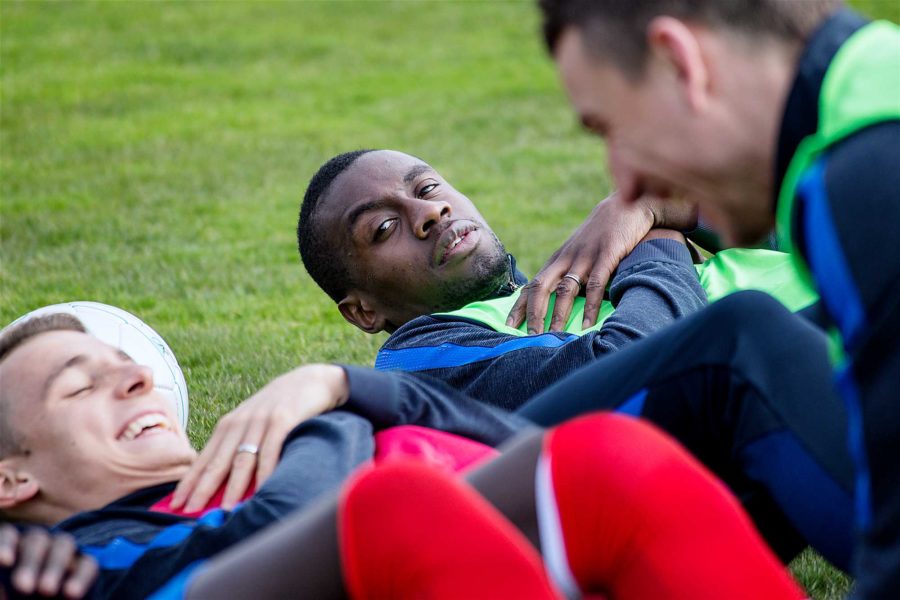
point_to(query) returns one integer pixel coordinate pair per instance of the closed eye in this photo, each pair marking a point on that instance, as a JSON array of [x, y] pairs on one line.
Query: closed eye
[[80, 391]]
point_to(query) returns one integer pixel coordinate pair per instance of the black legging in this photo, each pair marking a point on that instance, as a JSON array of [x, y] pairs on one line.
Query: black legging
[[747, 387]]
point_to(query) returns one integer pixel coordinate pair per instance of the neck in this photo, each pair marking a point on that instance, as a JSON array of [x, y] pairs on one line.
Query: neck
[[509, 284], [755, 79], [51, 506]]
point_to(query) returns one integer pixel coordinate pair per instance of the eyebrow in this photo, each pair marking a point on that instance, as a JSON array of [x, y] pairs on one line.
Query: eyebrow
[[415, 172], [358, 211], [363, 208], [72, 362]]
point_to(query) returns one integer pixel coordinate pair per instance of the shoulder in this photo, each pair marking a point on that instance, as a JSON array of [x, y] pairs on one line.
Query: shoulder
[[865, 167], [430, 330]]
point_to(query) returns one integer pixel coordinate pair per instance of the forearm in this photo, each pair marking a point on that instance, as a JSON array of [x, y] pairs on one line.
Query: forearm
[[395, 398], [653, 287]]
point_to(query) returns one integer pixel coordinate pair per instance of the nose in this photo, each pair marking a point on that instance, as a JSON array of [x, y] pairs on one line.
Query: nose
[[428, 213], [134, 380]]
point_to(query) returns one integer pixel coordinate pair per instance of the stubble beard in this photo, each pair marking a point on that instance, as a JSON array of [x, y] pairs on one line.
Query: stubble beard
[[489, 272]]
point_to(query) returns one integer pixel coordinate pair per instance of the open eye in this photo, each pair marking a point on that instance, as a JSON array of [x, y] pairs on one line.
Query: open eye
[[382, 230], [427, 189]]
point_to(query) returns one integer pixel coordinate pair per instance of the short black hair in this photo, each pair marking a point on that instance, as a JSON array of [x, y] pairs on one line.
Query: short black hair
[[321, 261]]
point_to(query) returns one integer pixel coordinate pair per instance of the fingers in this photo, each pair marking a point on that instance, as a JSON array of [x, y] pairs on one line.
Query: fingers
[[184, 492], [270, 450], [59, 559], [33, 548], [84, 572], [244, 463], [536, 296], [185, 488], [218, 463], [594, 290], [9, 544], [537, 293], [45, 563], [517, 312], [566, 291]]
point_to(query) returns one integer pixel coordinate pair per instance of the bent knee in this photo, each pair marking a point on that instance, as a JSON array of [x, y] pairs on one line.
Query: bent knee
[[752, 312]]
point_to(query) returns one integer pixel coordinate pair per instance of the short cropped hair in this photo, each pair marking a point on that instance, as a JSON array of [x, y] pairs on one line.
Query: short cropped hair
[[323, 262], [12, 338], [617, 29]]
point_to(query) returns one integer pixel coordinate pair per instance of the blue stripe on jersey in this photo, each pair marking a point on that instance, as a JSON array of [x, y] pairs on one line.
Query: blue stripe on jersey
[[177, 587], [844, 304], [826, 259], [780, 462], [121, 553], [634, 406], [846, 385], [449, 355]]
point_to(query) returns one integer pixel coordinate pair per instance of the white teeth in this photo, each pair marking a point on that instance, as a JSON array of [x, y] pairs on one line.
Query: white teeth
[[143, 422], [454, 244]]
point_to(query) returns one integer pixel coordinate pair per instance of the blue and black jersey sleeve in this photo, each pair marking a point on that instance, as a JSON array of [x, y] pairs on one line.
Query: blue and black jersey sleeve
[[391, 399], [653, 286]]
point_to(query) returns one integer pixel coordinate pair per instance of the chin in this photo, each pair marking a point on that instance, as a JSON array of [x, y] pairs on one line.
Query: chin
[[744, 236]]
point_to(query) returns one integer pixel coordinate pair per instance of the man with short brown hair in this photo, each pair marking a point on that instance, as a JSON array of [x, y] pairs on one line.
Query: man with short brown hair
[[760, 110]]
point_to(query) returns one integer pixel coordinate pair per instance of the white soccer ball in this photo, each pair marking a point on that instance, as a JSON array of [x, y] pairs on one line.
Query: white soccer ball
[[126, 332]]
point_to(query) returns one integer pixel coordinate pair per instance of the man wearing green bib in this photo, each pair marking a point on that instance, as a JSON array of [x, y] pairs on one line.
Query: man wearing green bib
[[397, 247], [777, 110], [400, 250]]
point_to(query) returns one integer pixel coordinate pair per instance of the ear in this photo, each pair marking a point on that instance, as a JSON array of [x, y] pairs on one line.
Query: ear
[[680, 47], [357, 310], [16, 486]]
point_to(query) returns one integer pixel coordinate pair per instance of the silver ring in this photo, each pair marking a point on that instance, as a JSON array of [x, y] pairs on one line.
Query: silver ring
[[248, 448], [574, 278]]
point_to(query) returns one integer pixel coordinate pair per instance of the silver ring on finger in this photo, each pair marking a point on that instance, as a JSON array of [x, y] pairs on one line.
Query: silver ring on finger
[[574, 278], [248, 448]]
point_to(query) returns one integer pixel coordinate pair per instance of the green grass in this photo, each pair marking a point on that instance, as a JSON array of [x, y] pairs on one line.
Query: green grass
[[154, 156]]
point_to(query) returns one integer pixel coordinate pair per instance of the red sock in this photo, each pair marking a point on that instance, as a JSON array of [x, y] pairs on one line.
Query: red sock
[[637, 517], [407, 531]]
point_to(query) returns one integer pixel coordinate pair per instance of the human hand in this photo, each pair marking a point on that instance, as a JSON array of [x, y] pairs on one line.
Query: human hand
[[590, 255], [261, 423], [44, 563]]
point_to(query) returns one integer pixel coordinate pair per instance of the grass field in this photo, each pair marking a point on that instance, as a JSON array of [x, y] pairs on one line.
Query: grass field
[[154, 156]]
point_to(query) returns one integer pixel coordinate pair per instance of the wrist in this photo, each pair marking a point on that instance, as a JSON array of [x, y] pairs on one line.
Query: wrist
[[653, 210], [331, 378], [664, 234], [672, 213], [334, 378]]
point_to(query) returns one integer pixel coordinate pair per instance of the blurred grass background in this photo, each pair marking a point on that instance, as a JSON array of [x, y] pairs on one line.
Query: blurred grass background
[[154, 155]]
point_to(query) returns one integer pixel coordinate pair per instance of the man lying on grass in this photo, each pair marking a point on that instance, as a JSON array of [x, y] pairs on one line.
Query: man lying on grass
[[397, 247], [90, 448], [391, 241]]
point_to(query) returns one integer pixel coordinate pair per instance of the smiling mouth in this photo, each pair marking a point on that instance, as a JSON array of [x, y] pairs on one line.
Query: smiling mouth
[[144, 423], [452, 237]]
